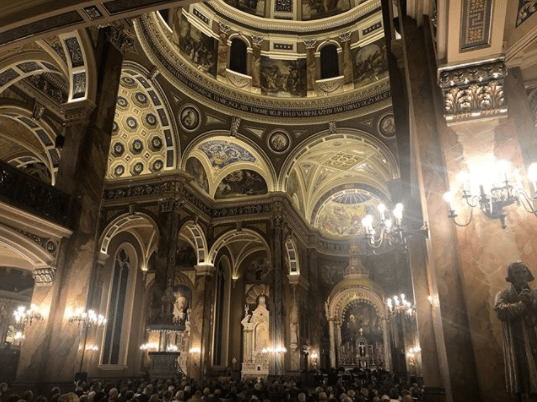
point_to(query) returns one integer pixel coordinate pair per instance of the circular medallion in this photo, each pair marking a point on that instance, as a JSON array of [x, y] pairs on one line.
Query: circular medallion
[[156, 143], [115, 127], [131, 123], [122, 102], [158, 165], [137, 146], [128, 81], [138, 168], [279, 141], [151, 119], [140, 97], [119, 170], [118, 148], [387, 125], [189, 117]]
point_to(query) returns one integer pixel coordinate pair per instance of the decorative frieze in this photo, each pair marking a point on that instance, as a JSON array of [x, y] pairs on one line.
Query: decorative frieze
[[473, 91], [476, 23], [526, 8]]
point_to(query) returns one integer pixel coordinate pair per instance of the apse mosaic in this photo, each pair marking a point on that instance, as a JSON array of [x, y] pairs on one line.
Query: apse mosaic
[[199, 48], [223, 153], [195, 168], [141, 133], [370, 63], [241, 183], [342, 214], [283, 78]]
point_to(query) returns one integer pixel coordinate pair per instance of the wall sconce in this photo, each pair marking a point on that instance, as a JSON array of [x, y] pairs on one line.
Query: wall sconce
[[314, 358], [24, 316], [85, 319], [399, 305], [491, 188], [149, 346], [195, 350], [274, 350]]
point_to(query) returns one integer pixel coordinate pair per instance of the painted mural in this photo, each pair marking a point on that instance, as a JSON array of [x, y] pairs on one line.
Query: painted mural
[[283, 78], [254, 7], [293, 189], [241, 183], [195, 168], [198, 47], [342, 216], [315, 9], [370, 63], [222, 153]]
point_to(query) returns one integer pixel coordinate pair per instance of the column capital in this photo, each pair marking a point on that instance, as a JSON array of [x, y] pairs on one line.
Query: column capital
[[257, 40], [310, 43], [345, 36], [223, 28], [120, 36], [204, 270]]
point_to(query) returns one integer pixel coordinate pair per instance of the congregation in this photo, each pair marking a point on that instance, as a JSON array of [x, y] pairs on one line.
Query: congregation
[[362, 386]]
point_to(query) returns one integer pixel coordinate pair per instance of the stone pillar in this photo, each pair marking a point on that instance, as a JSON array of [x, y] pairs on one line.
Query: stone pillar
[[311, 66], [82, 171], [201, 322], [255, 64], [276, 313], [386, 344], [346, 56], [338, 342], [332, 335], [223, 52]]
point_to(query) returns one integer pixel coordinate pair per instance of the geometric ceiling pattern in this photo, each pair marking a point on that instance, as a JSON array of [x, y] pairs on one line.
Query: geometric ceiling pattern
[[142, 139]]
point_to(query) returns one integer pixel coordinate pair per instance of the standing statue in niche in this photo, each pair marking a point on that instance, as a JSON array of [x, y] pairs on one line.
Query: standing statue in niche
[[516, 307]]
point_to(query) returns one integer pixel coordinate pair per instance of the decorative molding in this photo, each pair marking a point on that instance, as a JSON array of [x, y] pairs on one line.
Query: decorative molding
[[44, 276], [345, 36], [526, 8], [476, 23], [257, 40], [121, 37], [235, 123], [310, 43], [474, 91]]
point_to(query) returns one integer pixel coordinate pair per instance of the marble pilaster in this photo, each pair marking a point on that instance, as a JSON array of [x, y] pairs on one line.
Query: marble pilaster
[[332, 335], [81, 173], [311, 66], [223, 51], [276, 313], [200, 322], [346, 56], [255, 64]]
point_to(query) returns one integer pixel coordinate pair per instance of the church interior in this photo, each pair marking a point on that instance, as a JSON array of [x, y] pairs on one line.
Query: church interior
[[254, 189]]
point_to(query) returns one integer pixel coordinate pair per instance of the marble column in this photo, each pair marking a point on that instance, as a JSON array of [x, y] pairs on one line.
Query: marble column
[[200, 322], [255, 64], [348, 80], [332, 335], [276, 313], [311, 66], [223, 52], [82, 171]]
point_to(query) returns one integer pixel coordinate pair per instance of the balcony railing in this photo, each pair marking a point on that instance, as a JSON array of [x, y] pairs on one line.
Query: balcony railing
[[31, 195]]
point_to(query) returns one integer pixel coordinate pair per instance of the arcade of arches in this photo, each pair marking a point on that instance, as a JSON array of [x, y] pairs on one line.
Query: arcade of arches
[[196, 174]]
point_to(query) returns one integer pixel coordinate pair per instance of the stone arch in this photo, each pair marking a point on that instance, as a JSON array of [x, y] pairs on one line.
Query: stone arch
[[241, 243], [193, 233], [130, 223], [292, 256], [25, 248], [42, 131]]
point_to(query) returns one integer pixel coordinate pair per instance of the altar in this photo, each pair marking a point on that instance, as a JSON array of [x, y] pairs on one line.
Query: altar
[[256, 341]]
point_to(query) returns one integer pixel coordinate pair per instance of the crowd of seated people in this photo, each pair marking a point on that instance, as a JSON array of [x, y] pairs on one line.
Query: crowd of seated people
[[360, 386]]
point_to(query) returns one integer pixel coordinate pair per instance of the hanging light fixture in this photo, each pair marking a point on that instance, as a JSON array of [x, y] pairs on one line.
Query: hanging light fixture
[[492, 187]]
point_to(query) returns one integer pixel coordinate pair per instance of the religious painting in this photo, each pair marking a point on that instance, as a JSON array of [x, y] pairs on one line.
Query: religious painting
[[255, 7], [361, 315], [195, 168], [189, 117], [201, 49], [222, 153], [315, 9], [283, 78], [241, 183], [279, 141], [370, 63]]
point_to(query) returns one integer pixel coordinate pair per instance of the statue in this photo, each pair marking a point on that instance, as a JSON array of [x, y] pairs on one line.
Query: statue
[[516, 307]]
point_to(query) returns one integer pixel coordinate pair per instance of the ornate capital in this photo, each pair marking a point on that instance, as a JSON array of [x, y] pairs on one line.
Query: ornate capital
[[235, 123], [345, 36], [44, 276], [120, 36], [170, 204], [257, 40], [224, 28], [332, 127], [310, 43], [473, 92]]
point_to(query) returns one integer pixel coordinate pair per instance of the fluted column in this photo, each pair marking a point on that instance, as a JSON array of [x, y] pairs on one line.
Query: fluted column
[[311, 66]]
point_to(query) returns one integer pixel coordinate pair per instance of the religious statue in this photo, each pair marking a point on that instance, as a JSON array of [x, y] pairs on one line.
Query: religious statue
[[516, 307]]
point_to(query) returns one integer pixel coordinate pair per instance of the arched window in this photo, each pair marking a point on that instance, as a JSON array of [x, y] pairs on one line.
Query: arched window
[[237, 56], [219, 315], [329, 62], [116, 308]]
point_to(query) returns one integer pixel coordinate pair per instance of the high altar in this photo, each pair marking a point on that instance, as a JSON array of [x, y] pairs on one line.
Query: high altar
[[255, 328]]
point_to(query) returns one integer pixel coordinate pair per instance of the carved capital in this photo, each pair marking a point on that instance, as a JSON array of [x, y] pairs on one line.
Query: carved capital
[[120, 36], [473, 92], [332, 127], [235, 123], [224, 28], [310, 43], [345, 36], [44, 276], [257, 40]]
